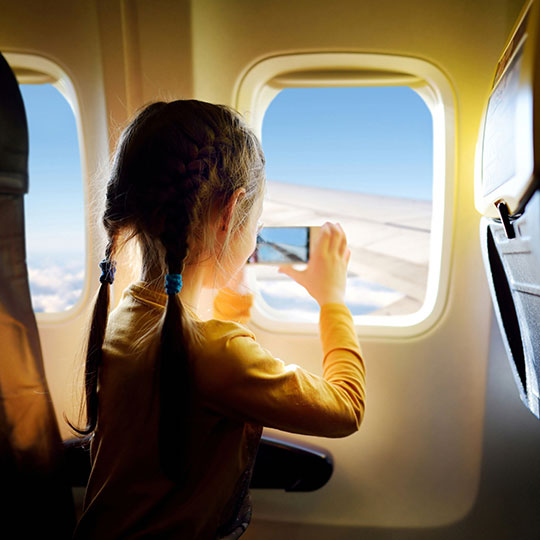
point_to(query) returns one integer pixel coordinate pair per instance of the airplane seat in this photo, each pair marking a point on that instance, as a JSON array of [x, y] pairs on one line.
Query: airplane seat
[[513, 265], [507, 193], [37, 497]]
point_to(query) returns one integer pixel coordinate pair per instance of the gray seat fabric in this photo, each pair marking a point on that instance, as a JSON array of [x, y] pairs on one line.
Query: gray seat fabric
[[37, 499]]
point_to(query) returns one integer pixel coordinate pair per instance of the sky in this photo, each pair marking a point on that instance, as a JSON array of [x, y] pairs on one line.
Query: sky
[[375, 140], [54, 206], [371, 140]]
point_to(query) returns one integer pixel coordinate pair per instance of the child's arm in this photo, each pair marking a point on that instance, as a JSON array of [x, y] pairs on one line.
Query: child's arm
[[244, 380], [240, 379], [230, 305]]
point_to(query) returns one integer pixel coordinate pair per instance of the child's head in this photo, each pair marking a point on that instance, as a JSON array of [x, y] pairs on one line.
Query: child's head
[[178, 170]]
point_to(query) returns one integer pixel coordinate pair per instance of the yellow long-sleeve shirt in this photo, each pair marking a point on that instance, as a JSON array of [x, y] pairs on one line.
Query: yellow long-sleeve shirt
[[239, 387]]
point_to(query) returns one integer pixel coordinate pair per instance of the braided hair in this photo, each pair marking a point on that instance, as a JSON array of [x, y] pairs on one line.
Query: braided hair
[[176, 164]]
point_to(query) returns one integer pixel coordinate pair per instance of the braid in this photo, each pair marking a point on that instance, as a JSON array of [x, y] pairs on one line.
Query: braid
[[173, 360], [94, 348], [174, 388]]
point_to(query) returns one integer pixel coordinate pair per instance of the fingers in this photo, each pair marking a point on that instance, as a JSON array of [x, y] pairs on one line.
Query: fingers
[[325, 276], [334, 233], [343, 242], [334, 238], [324, 238]]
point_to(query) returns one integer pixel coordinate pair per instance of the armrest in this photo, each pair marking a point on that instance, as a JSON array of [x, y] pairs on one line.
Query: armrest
[[292, 466], [280, 464]]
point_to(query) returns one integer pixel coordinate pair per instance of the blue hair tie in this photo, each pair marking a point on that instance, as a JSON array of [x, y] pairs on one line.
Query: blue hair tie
[[108, 268], [173, 283]]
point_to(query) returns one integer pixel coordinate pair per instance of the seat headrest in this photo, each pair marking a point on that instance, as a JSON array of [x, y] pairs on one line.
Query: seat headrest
[[13, 134]]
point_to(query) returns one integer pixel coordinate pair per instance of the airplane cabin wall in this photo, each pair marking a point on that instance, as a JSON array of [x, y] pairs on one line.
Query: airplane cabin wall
[[417, 461]]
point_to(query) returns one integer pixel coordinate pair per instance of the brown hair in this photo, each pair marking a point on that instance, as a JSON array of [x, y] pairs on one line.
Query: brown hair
[[177, 164]]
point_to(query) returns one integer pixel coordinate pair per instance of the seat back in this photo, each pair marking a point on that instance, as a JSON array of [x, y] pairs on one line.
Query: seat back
[[37, 498], [507, 193]]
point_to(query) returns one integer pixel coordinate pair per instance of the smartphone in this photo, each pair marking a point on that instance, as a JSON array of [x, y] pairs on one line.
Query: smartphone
[[284, 245]]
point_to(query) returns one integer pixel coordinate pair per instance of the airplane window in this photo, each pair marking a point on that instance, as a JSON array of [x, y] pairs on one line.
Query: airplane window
[[362, 156], [54, 206]]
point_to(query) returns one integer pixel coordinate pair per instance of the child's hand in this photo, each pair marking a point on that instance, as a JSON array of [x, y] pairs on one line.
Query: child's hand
[[326, 274]]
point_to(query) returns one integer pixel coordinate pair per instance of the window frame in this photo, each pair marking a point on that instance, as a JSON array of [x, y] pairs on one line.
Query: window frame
[[261, 82], [33, 69]]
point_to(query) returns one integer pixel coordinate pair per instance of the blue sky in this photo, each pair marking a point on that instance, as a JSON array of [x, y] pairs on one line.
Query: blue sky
[[54, 207], [370, 139]]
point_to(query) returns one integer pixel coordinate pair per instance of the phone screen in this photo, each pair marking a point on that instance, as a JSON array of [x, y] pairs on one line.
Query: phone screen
[[282, 245]]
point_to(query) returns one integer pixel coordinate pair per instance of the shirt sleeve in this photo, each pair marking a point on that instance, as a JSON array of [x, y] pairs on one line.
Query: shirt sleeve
[[250, 384], [232, 306]]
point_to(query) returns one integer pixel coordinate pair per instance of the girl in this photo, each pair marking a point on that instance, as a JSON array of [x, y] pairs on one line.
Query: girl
[[176, 405]]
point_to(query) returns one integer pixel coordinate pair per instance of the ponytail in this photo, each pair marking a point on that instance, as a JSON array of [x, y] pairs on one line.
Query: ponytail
[[174, 376], [94, 349]]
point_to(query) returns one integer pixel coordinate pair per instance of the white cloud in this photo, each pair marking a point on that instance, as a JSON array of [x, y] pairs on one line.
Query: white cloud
[[295, 303], [55, 288]]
